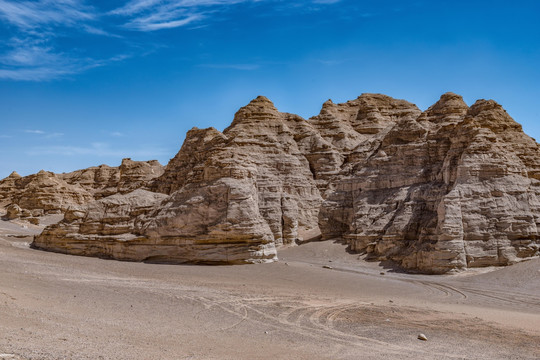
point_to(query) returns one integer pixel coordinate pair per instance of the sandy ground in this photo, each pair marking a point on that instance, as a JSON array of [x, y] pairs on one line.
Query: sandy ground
[[55, 306]]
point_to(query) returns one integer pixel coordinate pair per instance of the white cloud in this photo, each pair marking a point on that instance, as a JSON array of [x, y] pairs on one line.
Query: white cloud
[[326, 1], [54, 135], [117, 134], [45, 134], [150, 23], [30, 54], [151, 15], [32, 14], [96, 149], [232, 66], [48, 70]]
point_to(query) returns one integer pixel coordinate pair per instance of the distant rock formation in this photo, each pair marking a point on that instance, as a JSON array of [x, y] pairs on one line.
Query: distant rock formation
[[47, 192], [436, 191]]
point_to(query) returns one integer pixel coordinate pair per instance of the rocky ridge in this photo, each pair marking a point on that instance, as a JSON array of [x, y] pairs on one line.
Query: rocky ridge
[[43, 193], [442, 190]]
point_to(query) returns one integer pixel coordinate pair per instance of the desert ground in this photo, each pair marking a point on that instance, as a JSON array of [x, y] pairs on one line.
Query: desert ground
[[317, 302]]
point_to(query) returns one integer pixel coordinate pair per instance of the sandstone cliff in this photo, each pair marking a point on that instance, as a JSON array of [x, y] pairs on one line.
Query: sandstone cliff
[[455, 187], [446, 189], [47, 192]]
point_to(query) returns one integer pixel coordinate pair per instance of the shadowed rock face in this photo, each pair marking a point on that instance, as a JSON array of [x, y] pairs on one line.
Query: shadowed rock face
[[446, 189]]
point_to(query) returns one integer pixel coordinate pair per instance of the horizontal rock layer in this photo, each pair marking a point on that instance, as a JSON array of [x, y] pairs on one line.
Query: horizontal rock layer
[[47, 192], [436, 191]]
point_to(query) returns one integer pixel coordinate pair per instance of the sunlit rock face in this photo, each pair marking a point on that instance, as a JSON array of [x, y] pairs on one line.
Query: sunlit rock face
[[446, 189], [451, 188]]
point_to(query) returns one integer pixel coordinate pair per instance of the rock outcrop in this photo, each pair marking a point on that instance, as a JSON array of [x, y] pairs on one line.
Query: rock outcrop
[[435, 191], [47, 192], [455, 187]]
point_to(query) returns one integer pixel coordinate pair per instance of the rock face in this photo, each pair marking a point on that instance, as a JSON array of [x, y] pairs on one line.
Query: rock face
[[436, 191], [455, 187], [47, 192]]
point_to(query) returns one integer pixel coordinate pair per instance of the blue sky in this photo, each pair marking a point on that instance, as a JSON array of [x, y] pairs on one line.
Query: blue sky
[[84, 83]]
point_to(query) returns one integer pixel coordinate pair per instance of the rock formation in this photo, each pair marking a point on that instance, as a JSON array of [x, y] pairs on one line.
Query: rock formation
[[436, 191], [455, 187], [47, 192]]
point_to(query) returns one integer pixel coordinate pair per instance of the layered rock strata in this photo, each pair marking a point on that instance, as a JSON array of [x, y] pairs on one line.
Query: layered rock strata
[[435, 191], [47, 192]]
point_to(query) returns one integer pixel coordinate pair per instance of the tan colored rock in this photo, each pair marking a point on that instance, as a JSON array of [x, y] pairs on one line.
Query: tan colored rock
[[452, 189], [108, 228], [13, 212], [46, 192], [443, 190]]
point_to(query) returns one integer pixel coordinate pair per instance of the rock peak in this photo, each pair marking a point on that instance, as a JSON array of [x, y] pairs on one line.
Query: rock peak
[[484, 105], [449, 103], [259, 109], [14, 175], [262, 101], [449, 96]]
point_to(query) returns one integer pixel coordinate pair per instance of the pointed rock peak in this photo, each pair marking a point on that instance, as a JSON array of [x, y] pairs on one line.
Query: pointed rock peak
[[195, 138], [196, 130], [491, 115], [195, 134], [14, 175], [328, 102], [449, 103], [449, 96], [262, 101], [258, 110], [327, 106], [126, 162], [42, 174], [484, 105]]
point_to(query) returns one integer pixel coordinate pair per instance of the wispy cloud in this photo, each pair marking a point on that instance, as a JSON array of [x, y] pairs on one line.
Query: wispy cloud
[[32, 14], [54, 135], [96, 149], [151, 15], [44, 134], [27, 65], [247, 67], [330, 62], [31, 53], [116, 134], [326, 1]]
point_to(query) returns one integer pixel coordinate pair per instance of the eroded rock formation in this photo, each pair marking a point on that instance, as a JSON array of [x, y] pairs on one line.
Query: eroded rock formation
[[455, 187], [446, 189], [47, 192]]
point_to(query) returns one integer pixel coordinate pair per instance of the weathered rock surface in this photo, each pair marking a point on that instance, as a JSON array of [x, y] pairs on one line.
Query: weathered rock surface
[[455, 187], [446, 189], [47, 192]]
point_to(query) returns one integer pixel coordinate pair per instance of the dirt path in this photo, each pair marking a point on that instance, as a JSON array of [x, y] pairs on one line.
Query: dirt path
[[55, 306]]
